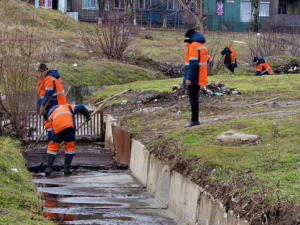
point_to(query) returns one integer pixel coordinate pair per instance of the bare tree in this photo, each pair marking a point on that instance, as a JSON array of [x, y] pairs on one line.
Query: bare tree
[[255, 15], [163, 6], [198, 6]]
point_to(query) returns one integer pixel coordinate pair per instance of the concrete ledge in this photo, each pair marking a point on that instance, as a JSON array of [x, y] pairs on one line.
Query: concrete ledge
[[139, 161], [159, 178], [183, 198], [186, 199], [108, 130]]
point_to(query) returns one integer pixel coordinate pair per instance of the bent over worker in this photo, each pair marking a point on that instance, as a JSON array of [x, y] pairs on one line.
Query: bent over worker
[[230, 58], [64, 128], [195, 70], [262, 67], [50, 93]]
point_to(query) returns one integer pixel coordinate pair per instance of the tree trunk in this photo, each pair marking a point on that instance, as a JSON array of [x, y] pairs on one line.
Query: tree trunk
[[134, 8], [165, 20], [101, 4], [255, 15], [200, 16]]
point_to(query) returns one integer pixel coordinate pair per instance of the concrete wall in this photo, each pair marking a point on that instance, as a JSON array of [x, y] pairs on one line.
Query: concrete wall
[[186, 199]]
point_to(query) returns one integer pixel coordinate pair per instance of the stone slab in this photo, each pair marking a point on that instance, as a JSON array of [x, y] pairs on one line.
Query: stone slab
[[183, 198], [139, 161], [158, 180]]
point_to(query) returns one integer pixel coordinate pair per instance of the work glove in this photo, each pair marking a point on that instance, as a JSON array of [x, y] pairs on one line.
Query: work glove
[[43, 110], [88, 118]]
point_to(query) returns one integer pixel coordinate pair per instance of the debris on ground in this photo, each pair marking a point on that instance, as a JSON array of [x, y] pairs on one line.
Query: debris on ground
[[291, 67], [170, 70], [211, 89], [237, 138], [275, 105], [147, 36]]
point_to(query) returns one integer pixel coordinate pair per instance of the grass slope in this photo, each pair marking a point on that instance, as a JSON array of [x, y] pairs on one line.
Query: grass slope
[[275, 158], [20, 201], [104, 72]]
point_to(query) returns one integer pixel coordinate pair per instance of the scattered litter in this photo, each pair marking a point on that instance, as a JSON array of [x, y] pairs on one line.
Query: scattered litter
[[183, 96], [218, 94], [258, 34], [79, 46], [155, 100], [291, 67], [75, 64], [268, 144], [139, 102], [275, 105], [126, 32], [240, 42], [62, 40], [15, 169], [91, 51], [124, 101], [213, 171], [179, 112]]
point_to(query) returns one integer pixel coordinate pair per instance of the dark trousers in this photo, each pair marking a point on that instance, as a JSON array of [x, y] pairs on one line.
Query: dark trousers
[[194, 100]]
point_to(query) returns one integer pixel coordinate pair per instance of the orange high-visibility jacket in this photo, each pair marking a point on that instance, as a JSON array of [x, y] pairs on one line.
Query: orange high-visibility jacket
[[233, 54], [196, 60], [62, 117], [196, 64], [263, 66], [51, 90]]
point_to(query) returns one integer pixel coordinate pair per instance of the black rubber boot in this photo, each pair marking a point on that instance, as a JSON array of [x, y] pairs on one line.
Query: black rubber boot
[[68, 160], [49, 163]]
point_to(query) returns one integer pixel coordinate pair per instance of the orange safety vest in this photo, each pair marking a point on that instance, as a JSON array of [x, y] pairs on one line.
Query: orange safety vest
[[233, 54], [62, 118], [198, 52], [52, 83], [262, 67]]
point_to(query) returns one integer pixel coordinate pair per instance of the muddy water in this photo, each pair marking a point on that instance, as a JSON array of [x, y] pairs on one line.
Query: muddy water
[[99, 197]]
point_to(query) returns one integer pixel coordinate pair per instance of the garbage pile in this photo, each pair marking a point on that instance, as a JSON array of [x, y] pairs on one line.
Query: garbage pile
[[211, 89], [292, 67]]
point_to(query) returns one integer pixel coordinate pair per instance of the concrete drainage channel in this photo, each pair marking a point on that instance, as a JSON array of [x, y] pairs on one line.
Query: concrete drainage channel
[[95, 194], [146, 194], [190, 202]]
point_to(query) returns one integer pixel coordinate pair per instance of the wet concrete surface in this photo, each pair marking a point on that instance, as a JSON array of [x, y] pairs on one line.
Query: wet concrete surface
[[95, 194], [87, 155], [100, 198]]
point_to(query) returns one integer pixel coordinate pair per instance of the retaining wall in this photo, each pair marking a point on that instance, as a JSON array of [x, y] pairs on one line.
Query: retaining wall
[[186, 199]]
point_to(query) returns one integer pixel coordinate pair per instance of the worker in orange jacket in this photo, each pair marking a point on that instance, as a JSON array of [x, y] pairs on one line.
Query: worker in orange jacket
[[230, 58], [64, 128], [50, 93], [195, 70], [262, 67]]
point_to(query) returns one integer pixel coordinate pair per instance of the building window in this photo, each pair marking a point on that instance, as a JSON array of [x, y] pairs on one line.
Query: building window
[[147, 4], [141, 4], [282, 8], [90, 3], [264, 9], [170, 5], [120, 4]]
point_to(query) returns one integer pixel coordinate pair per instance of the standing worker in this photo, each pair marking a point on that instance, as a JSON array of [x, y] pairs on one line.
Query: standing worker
[[210, 64], [50, 92], [64, 128], [262, 67], [195, 70], [230, 58]]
